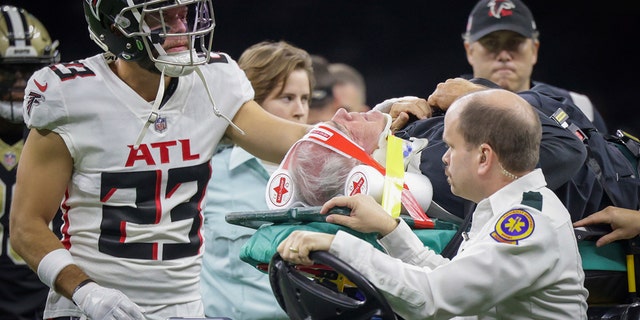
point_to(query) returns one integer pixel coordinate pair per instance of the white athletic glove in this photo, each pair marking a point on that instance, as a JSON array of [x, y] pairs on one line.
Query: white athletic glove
[[100, 303]]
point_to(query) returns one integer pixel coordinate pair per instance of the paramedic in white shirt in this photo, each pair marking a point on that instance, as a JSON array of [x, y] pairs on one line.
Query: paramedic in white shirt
[[519, 260]]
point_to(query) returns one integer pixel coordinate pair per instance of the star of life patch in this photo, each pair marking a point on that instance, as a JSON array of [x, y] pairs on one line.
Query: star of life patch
[[515, 225]]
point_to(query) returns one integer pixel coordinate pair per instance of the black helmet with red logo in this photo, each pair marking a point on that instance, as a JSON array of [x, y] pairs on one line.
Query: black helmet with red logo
[[135, 30]]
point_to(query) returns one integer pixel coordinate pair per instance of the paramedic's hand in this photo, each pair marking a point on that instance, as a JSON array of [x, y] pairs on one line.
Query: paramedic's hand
[[296, 247], [403, 110], [448, 91], [624, 222], [100, 303], [366, 214]]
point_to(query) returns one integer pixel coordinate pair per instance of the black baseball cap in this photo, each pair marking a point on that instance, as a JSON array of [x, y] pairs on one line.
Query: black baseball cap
[[494, 15]]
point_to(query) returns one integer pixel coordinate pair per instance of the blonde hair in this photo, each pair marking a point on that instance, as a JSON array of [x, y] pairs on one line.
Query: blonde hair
[[268, 64]]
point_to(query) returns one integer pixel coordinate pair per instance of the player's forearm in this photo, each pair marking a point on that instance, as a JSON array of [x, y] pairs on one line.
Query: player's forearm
[[33, 242], [274, 149], [68, 280]]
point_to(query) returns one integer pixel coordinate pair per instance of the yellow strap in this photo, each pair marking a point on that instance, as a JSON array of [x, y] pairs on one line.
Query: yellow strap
[[394, 179], [631, 274]]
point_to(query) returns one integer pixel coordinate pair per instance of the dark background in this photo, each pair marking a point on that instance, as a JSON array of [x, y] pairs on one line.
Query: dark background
[[406, 47]]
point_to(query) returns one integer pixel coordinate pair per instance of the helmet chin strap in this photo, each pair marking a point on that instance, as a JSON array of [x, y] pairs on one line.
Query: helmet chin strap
[[153, 115], [183, 63], [178, 64], [213, 103]]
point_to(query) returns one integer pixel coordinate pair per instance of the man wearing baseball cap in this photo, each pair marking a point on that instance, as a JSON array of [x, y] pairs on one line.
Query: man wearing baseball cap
[[501, 41]]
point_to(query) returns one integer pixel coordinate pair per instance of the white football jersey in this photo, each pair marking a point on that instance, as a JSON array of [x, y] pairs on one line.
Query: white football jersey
[[133, 217]]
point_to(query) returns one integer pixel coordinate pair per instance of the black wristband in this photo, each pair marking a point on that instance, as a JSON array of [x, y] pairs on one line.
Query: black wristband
[[82, 284]]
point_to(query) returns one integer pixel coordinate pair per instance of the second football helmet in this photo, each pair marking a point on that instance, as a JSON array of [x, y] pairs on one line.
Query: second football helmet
[[25, 46]]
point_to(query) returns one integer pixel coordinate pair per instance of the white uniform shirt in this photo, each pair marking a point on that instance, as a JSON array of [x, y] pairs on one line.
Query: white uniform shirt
[[133, 218], [517, 263]]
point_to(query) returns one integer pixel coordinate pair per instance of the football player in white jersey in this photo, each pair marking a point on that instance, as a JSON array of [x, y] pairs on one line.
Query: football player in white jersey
[[124, 138]]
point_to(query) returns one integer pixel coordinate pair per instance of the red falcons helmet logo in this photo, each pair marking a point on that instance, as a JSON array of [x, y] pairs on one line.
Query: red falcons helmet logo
[[94, 4]]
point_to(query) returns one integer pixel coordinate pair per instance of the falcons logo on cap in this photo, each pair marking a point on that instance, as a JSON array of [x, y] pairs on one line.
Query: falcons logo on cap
[[500, 8]]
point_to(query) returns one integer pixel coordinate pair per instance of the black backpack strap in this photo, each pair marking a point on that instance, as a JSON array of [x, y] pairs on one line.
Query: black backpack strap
[[451, 249], [612, 160], [630, 147]]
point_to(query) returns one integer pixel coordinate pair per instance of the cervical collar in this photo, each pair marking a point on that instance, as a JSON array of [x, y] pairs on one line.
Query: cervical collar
[[367, 180], [380, 154]]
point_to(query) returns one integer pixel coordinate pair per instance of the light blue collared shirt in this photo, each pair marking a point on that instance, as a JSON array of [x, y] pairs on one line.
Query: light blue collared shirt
[[230, 287]]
